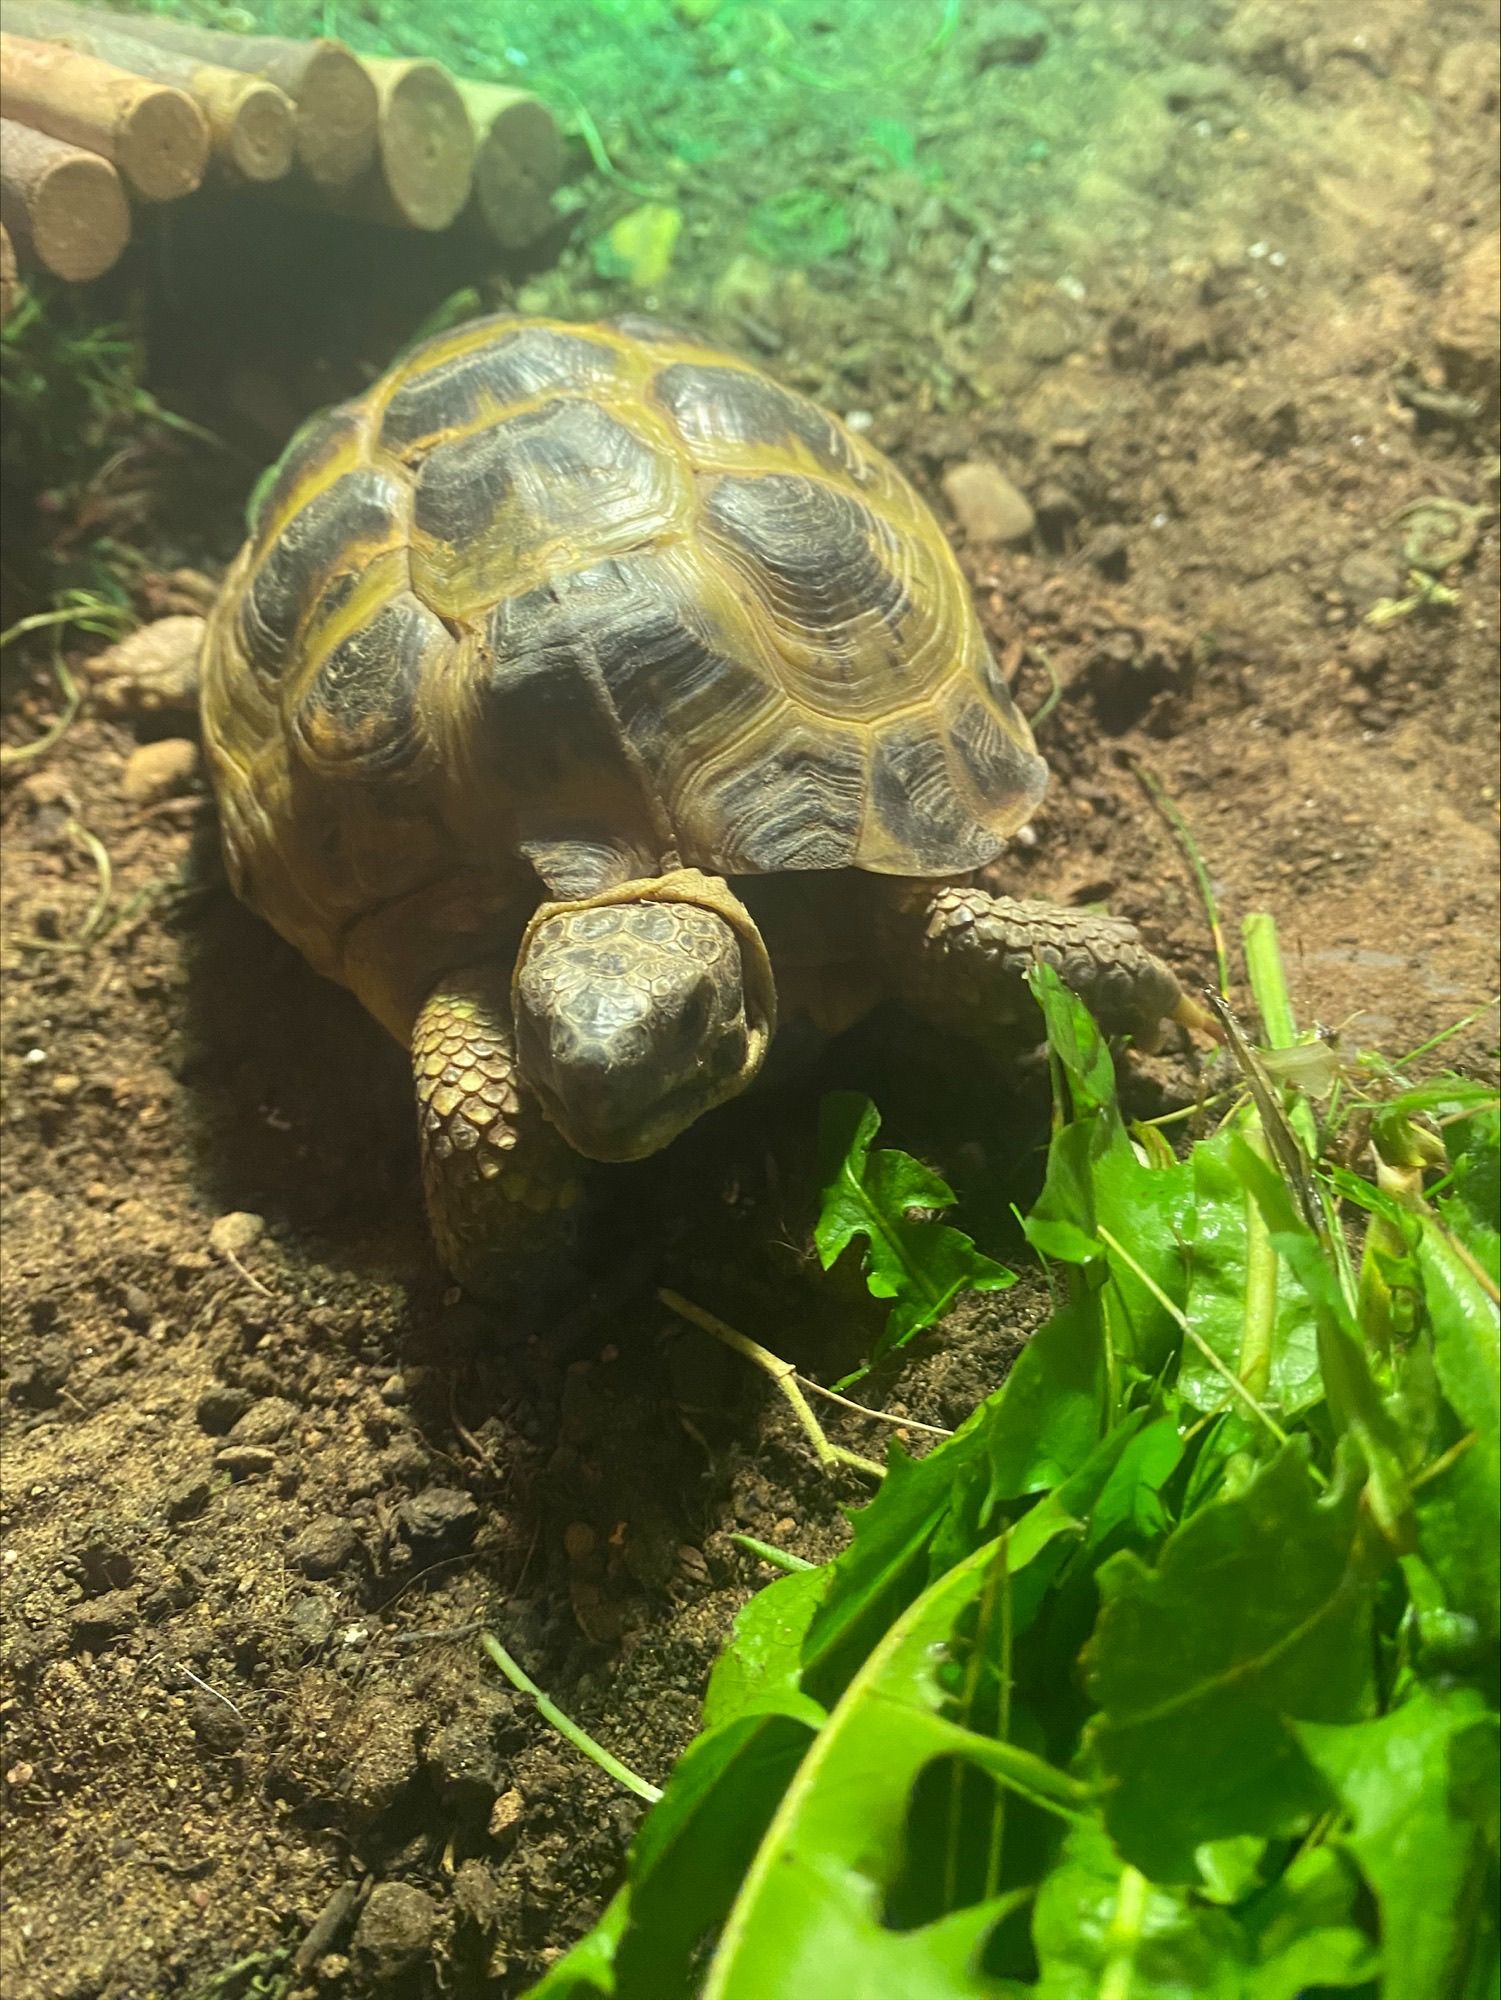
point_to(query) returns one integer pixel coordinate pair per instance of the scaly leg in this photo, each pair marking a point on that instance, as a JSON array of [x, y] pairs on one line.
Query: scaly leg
[[503, 1189], [959, 957]]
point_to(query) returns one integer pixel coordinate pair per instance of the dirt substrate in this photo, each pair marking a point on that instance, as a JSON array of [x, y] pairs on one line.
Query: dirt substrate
[[262, 1485]]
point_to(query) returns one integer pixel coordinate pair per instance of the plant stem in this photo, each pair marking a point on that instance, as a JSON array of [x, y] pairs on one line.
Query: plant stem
[[580, 1739], [782, 1373]]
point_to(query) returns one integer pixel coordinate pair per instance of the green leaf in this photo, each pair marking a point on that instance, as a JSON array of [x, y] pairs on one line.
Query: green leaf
[[1459, 1510], [809, 1915], [1095, 1180], [1101, 1927], [1257, 1612], [1218, 1239], [1473, 1203], [1040, 1429], [919, 1264], [760, 1671], [1411, 1783], [1349, 1386], [1131, 1506], [1305, 1931], [686, 1863]]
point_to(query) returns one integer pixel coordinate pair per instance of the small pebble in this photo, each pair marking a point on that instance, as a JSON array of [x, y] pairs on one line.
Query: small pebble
[[156, 771], [94, 1623], [186, 1498], [439, 1515], [986, 505], [267, 1419], [324, 1546], [221, 1408], [244, 1461], [396, 1928], [218, 1727], [233, 1234], [1011, 32]]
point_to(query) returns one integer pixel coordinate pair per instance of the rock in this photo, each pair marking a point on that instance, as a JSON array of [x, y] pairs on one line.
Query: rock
[[267, 1420], [396, 1927], [1045, 334], [221, 1408], [1192, 86], [324, 1546], [1468, 330], [153, 671], [38, 1382], [186, 1499], [233, 1234], [245, 1461], [476, 1900], [156, 771], [986, 505], [439, 1517], [94, 1623], [310, 1622], [1010, 32], [467, 1757], [219, 1728]]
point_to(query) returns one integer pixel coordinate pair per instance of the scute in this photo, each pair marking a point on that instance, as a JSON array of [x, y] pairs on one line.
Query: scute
[[506, 506], [319, 554], [722, 410], [793, 799], [918, 817], [446, 392], [360, 710], [812, 550]]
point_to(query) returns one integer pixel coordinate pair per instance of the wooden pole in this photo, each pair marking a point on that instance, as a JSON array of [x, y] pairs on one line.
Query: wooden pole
[[518, 164], [154, 133], [424, 146], [64, 206], [250, 120], [10, 283], [336, 101]]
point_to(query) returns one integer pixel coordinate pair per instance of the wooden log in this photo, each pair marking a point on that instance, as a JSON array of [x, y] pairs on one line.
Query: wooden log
[[518, 162], [10, 283], [154, 133], [64, 207], [424, 147], [250, 120], [337, 104]]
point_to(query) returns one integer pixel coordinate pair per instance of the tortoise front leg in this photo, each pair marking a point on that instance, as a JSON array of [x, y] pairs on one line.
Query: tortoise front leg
[[503, 1188], [959, 957]]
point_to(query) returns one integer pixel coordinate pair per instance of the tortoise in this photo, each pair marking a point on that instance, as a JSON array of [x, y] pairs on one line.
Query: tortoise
[[584, 701]]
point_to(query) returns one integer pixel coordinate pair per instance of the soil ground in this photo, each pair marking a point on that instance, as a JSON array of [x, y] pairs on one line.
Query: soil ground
[[1233, 317]]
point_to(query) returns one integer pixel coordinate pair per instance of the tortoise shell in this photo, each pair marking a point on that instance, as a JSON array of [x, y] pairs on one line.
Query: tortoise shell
[[551, 598]]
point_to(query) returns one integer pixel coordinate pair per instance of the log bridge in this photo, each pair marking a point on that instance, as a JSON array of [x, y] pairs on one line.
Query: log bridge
[[103, 114]]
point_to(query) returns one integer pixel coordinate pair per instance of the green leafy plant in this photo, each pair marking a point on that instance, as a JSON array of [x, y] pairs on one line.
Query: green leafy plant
[[1173, 1672], [889, 1199]]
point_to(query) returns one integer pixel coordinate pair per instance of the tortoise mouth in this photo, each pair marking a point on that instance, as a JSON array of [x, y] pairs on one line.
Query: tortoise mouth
[[637, 1132]]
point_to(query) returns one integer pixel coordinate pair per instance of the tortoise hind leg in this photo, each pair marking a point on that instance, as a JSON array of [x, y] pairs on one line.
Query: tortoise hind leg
[[959, 957], [502, 1187]]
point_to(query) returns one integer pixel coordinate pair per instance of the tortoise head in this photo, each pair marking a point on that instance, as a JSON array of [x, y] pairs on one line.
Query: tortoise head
[[641, 1009]]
